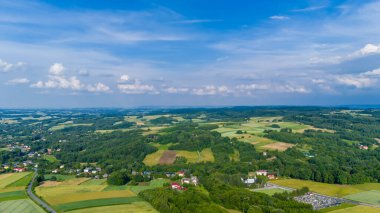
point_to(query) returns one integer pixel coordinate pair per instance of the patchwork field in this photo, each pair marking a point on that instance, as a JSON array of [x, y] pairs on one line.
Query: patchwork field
[[253, 131], [82, 193], [20, 206], [372, 197], [165, 156], [328, 189], [9, 178]]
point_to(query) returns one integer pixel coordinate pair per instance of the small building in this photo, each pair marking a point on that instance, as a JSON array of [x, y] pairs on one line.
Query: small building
[[249, 180], [55, 171], [262, 172], [105, 176], [363, 147], [181, 173], [176, 186], [17, 169], [271, 176], [87, 170]]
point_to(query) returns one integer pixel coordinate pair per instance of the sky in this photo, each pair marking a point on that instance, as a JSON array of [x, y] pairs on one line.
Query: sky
[[114, 53]]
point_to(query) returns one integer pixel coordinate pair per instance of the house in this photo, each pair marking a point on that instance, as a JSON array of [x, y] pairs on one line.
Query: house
[[87, 170], [363, 147], [181, 173], [176, 186], [170, 174], [271, 176], [17, 169], [193, 180], [262, 172], [105, 176], [248, 181], [6, 166], [55, 171], [94, 171]]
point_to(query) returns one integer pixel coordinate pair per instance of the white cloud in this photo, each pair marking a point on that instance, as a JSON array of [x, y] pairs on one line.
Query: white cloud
[[124, 78], [279, 17], [56, 80], [99, 87], [137, 88], [356, 81], [18, 81], [56, 69], [7, 67], [174, 90], [375, 72], [368, 50], [211, 90], [309, 9]]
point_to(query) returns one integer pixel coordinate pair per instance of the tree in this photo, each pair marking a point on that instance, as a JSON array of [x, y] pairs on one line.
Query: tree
[[118, 178]]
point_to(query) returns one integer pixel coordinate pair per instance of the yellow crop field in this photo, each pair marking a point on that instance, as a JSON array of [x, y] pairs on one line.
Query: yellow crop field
[[12, 189], [136, 207], [54, 191], [328, 189], [68, 198], [280, 146], [7, 179]]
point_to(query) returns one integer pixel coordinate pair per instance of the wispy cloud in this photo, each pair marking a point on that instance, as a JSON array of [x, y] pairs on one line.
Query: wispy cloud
[[279, 17], [309, 9]]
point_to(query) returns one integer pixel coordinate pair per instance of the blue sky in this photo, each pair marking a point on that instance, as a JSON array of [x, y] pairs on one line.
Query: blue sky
[[93, 53]]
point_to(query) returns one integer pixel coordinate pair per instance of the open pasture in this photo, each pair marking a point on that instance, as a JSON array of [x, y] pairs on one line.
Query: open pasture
[[270, 191], [20, 206], [54, 191], [357, 209], [98, 202], [76, 197], [371, 197], [67, 125], [280, 146], [13, 195], [135, 207], [328, 189], [9, 178]]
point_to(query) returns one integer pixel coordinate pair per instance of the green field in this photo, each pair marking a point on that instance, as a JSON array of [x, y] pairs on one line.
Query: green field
[[98, 202], [9, 178], [358, 209], [135, 207], [22, 182], [270, 191], [13, 195], [335, 208], [67, 125], [328, 189], [371, 197], [20, 206], [59, 177], [50, 158]]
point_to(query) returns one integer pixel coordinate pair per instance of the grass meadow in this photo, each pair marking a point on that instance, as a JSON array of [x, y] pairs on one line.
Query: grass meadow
[[20, 206]]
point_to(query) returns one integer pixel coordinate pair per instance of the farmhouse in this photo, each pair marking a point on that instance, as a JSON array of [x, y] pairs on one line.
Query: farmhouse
[[193, 180], [181, 173], [176, 186], [363, 147], [19, 169], [249, 181], [262, 172]]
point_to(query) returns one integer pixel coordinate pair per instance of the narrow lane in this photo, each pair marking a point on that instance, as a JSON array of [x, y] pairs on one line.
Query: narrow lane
[[37, 199]]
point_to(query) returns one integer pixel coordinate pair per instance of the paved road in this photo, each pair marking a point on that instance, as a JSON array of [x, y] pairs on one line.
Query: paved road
[[35, 198], [272, 185]]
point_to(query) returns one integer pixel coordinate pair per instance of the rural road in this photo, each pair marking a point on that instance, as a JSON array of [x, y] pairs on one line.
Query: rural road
[[35, 198], [345, 200]]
